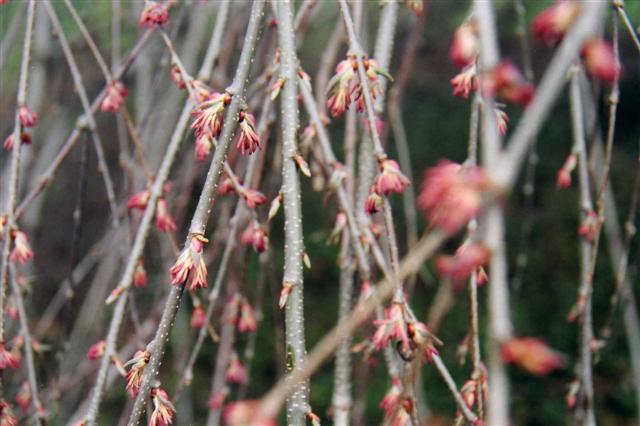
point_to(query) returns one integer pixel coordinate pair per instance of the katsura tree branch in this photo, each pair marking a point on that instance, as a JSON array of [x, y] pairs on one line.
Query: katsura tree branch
[[10, 209], [201, 215], [585, 412], [619, 6], [298, 401]]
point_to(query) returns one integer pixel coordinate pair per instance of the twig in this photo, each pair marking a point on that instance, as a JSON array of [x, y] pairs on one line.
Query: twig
[[201, 215], [619, 6], [10, 208]]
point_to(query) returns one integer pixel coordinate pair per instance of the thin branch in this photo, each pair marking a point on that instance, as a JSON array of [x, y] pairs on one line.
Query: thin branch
[[619, 6]]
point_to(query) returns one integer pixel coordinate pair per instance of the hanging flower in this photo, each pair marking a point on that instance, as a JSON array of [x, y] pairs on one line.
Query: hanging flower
[[114, 98], [465, 81], [255, 235], [339, 87], [550, 25], [164, 220], [190, 265], [97, 350], [198, 317], [423, 339], [23, 397], [502, 120], [209, 114], [134, 376], [465, 45], [139, 275], [163, 409], [247, 322], [391, 400], [253, 198], [373, 203], [589, 227], [236, 373], [28, 117], [248, 142], [532, 354], [6, 415], [468, 258], [600, 60], [390, 178], [451, 194], [139, 200], [507, 82], [25, 138], [227, 186], [21, 249], [204, 142], [392, 327], [154, 15], [176, 77], [563, 178]]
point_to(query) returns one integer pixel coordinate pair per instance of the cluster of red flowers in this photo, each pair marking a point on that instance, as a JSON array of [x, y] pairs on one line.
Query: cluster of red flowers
[[163, 409], [451, 194], [241, 314], [397, 407], [134, 376], [164, 221], [469, 257], [256, 235], [532, 354], [114, 97], [190, 265], [28, 118], [154, 15], [345, 86], [248, 141]]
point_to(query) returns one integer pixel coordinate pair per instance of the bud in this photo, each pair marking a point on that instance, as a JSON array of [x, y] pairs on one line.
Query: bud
[[467, 259], [140, 275], [242, 413], [164, 220], [247, 321], [27, 116], [227, 186], [204, 143], [313, 418], [507, 82], [256, 236], [339, 87], [176, 77], [600, 60], [302, 165], [563, 179], [163, 409], [341, 223], [97, 350], [589, 227], [6, 415], [23, 398], [373, 203], [275, 206], [550, 25], [190, 265], [134, 376], [25, 138], [390, 178], [284, 293], [139, 200], [21, 250], [502, 119], [198, 317], [154, 15], [276, 87], [253, 198], [248, 142], [391, 400], [236, 373], [115, 94], [465, 45], [465, 81]]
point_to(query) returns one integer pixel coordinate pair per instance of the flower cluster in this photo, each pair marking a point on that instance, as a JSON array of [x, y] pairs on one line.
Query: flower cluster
[[209, 116], [23, 397], [25, 138], [21, 252], [600, 60], [253, 198], [248, 141], [532, 354], [256, 235], [465, 82], [390, 178], [190, 265], [392, 327], [241, 314], [468, 258], [451, 194], [114, 98], [6, 415], [154, 15], [8, 359], [563, 178], [345, 86], [589, 226], [506, 81], [134, 376], [28, 117], [164, 220], [163, 409], [140, 275], [550, 25], [236, 372], [97, 350], [198, 316]]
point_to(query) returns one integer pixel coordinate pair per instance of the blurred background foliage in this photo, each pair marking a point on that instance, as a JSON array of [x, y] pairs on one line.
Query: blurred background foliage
[[437, 126]]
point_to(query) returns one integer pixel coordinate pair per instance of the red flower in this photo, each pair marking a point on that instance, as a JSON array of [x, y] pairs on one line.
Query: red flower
[[247, 322], [190, 265], [563, 179], [198, 317], [373, 203], [339, 87], [532, 354], [390, 178], [465, 81], [204, 143], [113, 100], [468, 258], [209, 114], [248, 142], [236, 373], [423, 339], [22, 250], [140, 275], [600, 60], [502, 119], [25, 138], [256, 236], [226, 187], [253, 198], [391, 400], [176, 77], [507, 82], [392, 327], [164, 221], [139, 200], [451, 194], [134, 376], [6, 415], [154, 15], [550, 25], [163, 409], [589, 226], [465, 45], [23, 397], [97, 350], [28, 117], [242, 413]]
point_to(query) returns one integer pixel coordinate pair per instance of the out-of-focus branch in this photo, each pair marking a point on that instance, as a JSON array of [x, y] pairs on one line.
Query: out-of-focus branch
[[619, 6]]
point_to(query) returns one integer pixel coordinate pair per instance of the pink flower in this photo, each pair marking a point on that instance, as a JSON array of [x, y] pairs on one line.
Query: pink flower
[[423, 339], [209, 114], [256, 236], [226, 187], [392, 327], [114, 98], [154, 15], [243, 413], [97, 350], [248, 142], [550, 25], [6, 415], [467, 259], [164, 221], [190, 265], [163, 409], [134, 376], [390, 178], [236, 373], [139, 200], [23, 397], [373, 203], [531, 354], [198, 317], [600, 60], [465, 81], [253, 198], [339, 87], [507, 82], [247, 322], [28, 117], [451, 194], [563, 179], [140, 275], [391, 400], [464, 47], [21, 250], [589, 227], [25, 138], [204, 143], [176, 77]]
